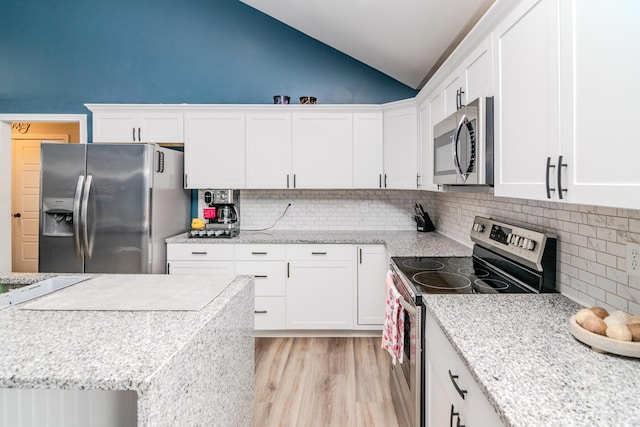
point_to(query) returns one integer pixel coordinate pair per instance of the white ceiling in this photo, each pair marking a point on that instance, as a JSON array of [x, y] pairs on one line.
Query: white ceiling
[[405, 39]]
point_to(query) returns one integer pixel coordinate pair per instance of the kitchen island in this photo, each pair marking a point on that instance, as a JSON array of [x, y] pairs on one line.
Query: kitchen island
[[177, 367], [521, 353]]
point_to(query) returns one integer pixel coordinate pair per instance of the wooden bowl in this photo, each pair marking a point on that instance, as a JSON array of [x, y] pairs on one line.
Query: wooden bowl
[[604, 344]]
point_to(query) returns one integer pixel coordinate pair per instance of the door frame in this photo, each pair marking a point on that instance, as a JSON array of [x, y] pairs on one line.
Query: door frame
[[5, 171]]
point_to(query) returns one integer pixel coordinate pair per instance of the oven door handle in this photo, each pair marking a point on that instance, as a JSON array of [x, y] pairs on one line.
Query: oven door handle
[[408, 306]]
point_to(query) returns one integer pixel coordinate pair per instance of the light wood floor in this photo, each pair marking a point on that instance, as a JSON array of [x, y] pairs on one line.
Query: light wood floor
[[322, 382]]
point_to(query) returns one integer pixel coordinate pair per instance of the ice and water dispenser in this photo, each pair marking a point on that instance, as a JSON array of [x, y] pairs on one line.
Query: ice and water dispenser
[[57, 216]]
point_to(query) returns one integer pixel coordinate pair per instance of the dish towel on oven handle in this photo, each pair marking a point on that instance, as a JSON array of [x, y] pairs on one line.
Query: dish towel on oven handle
[[393, 327]]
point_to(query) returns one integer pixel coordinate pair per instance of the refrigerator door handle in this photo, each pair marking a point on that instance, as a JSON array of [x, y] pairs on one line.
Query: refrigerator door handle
[[88, 248], [76, 217]]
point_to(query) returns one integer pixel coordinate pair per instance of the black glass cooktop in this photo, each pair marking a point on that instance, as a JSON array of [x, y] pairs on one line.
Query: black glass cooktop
[[455, 275]]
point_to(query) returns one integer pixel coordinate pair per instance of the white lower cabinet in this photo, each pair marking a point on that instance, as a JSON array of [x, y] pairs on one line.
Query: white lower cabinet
[[267, 264], [200, 267], [373, 264], [453, 397], [270, 313], [200, 258], [320, 287], [299, 286]]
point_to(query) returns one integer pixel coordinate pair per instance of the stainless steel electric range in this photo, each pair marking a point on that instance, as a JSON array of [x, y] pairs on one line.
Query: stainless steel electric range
[[506, 259]]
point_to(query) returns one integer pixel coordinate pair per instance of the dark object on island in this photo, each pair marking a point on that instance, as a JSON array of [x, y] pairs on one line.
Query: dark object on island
[[307, 100], [281, 99], [422, 219]]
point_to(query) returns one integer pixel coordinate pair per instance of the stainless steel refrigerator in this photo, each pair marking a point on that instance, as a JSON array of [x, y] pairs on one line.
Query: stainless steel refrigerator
[[107, 208]]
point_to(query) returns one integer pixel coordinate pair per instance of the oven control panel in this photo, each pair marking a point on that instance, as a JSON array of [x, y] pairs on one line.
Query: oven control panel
[[525, 244]]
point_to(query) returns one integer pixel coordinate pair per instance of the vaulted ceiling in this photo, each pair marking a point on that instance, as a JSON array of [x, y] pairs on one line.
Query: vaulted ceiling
[[405, 39]]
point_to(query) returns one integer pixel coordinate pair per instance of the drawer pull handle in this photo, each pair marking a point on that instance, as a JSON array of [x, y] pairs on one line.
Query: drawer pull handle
[[198, 253], [453, 379], [258, 253], [260, 276], [454, 414], [260, 311], [318, 253]]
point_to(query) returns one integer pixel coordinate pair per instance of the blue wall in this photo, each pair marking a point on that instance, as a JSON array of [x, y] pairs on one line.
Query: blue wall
[[56, 56]]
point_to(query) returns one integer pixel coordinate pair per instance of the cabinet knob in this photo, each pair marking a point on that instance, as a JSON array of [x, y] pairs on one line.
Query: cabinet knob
[[17, 215]]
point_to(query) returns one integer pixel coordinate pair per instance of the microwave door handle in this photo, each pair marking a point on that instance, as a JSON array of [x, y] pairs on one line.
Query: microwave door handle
[[76, 217], [456, 140]]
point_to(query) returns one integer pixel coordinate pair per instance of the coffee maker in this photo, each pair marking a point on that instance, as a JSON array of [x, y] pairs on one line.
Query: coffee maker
[[222, 213]]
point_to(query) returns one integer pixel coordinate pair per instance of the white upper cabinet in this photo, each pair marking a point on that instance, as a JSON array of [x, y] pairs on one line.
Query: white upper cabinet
[[558, 106], [119, 124], [430, 112], [322, 153], [526, 100], [214, 150], [478, 71], [268, 145], [367, 150], [453, 90], [600, 88], [401, 148], [471, 79]]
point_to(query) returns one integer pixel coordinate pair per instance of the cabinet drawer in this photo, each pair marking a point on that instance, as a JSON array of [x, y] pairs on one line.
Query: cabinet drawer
[[260, 252], [320, 252], [199, 251], [270, 313], [270, 276], [200, 267]]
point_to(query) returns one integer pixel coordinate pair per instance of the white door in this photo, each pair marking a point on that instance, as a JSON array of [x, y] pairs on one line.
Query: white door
[[372, 272], [268, 145], [430, 113], [214, 149], [322, 153], [158, 127], [320, 295], [367, 150], [527, 96], [453, 91], [401, 149], [118, 126], [478, 72], [25, 192], [600, 72]]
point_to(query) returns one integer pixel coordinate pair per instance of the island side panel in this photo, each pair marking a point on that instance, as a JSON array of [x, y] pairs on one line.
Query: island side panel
[[210, 380]]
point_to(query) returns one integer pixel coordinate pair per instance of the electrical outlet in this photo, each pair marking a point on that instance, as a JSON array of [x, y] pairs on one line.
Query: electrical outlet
[[633, 259]]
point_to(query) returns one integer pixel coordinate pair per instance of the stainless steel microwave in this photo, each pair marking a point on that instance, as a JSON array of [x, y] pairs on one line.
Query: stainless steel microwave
[[463, 145]]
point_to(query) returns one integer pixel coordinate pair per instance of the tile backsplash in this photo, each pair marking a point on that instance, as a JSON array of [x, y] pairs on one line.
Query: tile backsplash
[[329, 209], [591, 239], [591, 267]]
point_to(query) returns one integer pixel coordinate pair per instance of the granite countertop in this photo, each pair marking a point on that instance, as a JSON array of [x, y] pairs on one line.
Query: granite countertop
[[521, 352], [399, 243], [119, 350]]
